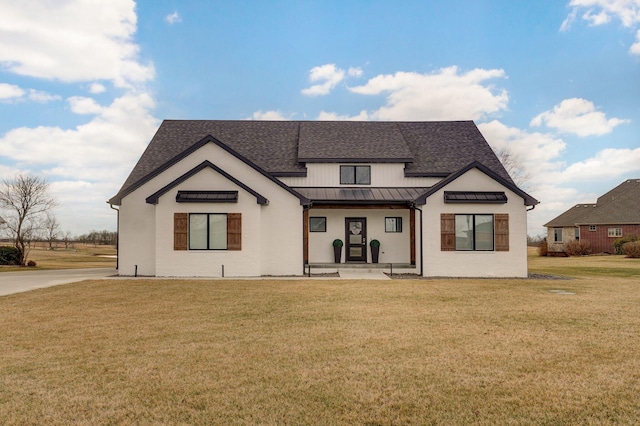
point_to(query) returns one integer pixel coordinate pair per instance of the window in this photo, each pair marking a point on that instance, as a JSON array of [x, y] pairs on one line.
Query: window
[[355, 175], [615, 232], [557, 235], [392, 224], [577, 234], [318, 224], [592, 227], [207, 231], [474, 232]]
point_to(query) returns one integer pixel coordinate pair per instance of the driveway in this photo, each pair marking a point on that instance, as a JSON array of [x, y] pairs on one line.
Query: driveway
[[16, 282]]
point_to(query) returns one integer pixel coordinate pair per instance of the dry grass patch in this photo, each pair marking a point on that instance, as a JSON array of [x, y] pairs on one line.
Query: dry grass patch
[[322, 352], [584, 266], [79, 256]]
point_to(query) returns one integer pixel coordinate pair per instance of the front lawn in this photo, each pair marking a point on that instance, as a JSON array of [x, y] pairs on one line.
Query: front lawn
[[322, 352]]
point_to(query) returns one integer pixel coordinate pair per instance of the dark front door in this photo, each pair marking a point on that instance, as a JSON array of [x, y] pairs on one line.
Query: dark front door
[[356, 237]]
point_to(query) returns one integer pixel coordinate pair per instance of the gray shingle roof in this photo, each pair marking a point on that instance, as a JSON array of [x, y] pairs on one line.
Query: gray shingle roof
[[621, 205], [572, 216], [331, 141], [280, 147]]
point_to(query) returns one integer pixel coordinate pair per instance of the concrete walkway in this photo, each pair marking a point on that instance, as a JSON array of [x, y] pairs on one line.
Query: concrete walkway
[[362, 274], [17, 282]]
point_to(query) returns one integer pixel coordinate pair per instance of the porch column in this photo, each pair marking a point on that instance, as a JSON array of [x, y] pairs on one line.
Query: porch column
[[305, 235], [412, 236]]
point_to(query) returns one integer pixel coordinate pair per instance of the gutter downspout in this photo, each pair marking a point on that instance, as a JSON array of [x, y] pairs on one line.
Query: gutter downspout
[[117, 235], [532, 207], [413, 206]]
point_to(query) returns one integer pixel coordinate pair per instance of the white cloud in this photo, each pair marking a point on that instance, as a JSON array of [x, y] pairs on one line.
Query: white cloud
[[539, 152], [10, 91], [566, 24], [577, 116], [13, 92], [600, 12], [72, 41], [332, 116], [443, 95], [607, 164], [102, 150], [82, 105], [329, 74], [96, 88], [42, 97], [270, 115], [172, 18], [355, 72], [635, 47]]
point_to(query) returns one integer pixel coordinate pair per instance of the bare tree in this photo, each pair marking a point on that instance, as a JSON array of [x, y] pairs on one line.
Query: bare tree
[[51, 228], [513, 164], [67, 238], [24, 200]]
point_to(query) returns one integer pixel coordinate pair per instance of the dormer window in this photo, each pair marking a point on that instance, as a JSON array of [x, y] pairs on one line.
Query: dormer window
[[355, 175]]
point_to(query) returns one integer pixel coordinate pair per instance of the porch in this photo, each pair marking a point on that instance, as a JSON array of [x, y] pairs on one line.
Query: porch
[[389, 268]]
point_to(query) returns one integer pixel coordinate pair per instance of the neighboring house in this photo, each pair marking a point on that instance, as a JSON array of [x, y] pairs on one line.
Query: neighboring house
[[616, 214], [255, 198]]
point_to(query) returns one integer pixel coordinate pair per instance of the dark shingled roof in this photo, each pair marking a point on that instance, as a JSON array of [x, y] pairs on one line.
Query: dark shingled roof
[[572, 216], [343, 141], [281, 148], [621, 205]]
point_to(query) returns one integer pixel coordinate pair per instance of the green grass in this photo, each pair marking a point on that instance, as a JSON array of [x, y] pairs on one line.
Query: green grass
[[324, 352]]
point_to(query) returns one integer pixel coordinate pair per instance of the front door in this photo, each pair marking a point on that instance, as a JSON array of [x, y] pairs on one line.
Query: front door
[[356, 237]]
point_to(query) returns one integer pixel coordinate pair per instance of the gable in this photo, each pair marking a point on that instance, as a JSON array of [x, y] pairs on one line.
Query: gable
[[494, 181]]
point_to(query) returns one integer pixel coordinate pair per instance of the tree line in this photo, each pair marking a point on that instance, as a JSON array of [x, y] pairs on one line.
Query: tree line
[[26, 217]]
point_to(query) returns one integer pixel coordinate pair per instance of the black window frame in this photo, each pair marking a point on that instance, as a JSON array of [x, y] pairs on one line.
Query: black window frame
[[398, 224], [475, 239], [324, 222], [355, 169], [208, 231]]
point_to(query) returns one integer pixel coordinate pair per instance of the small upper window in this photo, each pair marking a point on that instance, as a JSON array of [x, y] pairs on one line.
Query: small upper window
[[615, 232], [355, 175], [592, 227]]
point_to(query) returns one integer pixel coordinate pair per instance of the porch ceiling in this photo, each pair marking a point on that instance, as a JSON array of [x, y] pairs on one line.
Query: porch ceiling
[[361, 195]]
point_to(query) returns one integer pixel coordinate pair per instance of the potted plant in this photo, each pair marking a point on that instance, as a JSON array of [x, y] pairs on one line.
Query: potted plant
[[375, 250], [337, 250]]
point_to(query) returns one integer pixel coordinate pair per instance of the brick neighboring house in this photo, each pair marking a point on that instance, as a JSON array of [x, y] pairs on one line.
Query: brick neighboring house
[[615, 214]]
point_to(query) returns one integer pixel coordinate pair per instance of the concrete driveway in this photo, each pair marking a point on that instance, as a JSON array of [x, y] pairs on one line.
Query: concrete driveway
[[16, 282]]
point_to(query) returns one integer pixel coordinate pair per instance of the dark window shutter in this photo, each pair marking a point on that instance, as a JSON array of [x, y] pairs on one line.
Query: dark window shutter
[[234, 231], [502, 232], [180, 231], [447, 232]]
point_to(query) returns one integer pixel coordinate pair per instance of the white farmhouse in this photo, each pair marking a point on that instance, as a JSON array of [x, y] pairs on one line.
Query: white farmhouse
[[253, 198]]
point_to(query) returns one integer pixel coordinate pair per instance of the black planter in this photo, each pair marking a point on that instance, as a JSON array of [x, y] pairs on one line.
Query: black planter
[[375, 254], [337, 254]]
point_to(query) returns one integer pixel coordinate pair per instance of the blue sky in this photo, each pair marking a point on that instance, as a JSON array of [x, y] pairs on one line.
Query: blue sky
[[85, 84]]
